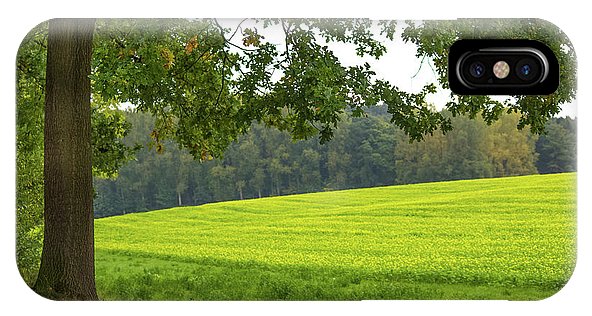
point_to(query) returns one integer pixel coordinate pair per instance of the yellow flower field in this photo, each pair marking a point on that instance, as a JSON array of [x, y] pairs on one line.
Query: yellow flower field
[[503, 238]]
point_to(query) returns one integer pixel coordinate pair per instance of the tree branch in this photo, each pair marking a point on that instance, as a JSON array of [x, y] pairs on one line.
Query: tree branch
[[236, 30], [286, 36], [223, 78], [227, 41]]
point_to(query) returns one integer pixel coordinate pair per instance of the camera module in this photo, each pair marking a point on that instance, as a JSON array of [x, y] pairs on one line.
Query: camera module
[[502, 67]]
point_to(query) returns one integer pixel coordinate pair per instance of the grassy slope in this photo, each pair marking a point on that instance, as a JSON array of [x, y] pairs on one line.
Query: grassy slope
[[506, 238]]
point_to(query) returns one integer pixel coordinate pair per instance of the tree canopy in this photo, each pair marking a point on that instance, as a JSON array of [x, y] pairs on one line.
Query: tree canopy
[[205, 87]]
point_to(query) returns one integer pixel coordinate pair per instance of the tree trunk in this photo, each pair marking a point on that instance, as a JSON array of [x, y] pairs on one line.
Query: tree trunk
[[67, 260], [179, 198], [122, 197]]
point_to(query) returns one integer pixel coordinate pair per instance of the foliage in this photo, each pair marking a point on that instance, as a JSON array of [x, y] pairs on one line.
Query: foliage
[[29, 152], [109, 152], [472, 150], [505, 238], [557, 147], [205, 88], [175, 69], [433, 38]]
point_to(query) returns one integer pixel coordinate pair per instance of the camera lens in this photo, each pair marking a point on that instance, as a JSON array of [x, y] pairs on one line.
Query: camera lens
[[477, 69], [527, 69]]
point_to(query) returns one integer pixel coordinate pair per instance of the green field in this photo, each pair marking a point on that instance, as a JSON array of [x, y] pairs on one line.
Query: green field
[[504, 238]]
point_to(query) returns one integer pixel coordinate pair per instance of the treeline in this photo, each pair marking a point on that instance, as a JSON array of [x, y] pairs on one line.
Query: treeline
[[365, 152]]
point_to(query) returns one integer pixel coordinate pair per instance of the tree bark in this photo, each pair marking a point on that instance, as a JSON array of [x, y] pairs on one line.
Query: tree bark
[[67, 261]]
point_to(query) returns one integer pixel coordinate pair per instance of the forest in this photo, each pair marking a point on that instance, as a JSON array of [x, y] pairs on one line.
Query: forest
[[365, 152]]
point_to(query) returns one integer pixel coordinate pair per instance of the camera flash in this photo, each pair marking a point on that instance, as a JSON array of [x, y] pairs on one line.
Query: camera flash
[[501, 69]]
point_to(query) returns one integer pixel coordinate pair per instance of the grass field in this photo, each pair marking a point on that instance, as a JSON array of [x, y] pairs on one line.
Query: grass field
[[505, 238]]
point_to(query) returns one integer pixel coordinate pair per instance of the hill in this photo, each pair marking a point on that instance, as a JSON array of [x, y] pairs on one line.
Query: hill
[[502, 238]]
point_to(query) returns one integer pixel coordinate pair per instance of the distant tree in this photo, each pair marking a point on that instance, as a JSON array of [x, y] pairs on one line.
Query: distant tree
[[246, 158], [258, 180], [279, 169], [557, 147], [309, 171], [182, 171], [223, 182], [468, 150], [202, 192], [164, 179], [107, 201], [338, 159], [421, 162], [370, 144], [472, 150], [512, 152]]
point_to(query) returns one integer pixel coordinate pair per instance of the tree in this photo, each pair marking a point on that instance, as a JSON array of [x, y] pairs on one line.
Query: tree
[[258, 180], [204, 90], [512, 152], [182, 176], [472, 150], [108, 152], [310, 174], [279, 169], [31, 61], [370, 144], [339, 159], [222, 181], [245, 157], [557, 147], [67, 260]]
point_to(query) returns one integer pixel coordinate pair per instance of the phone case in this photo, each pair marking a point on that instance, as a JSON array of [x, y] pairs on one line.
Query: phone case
[[287, 159]]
